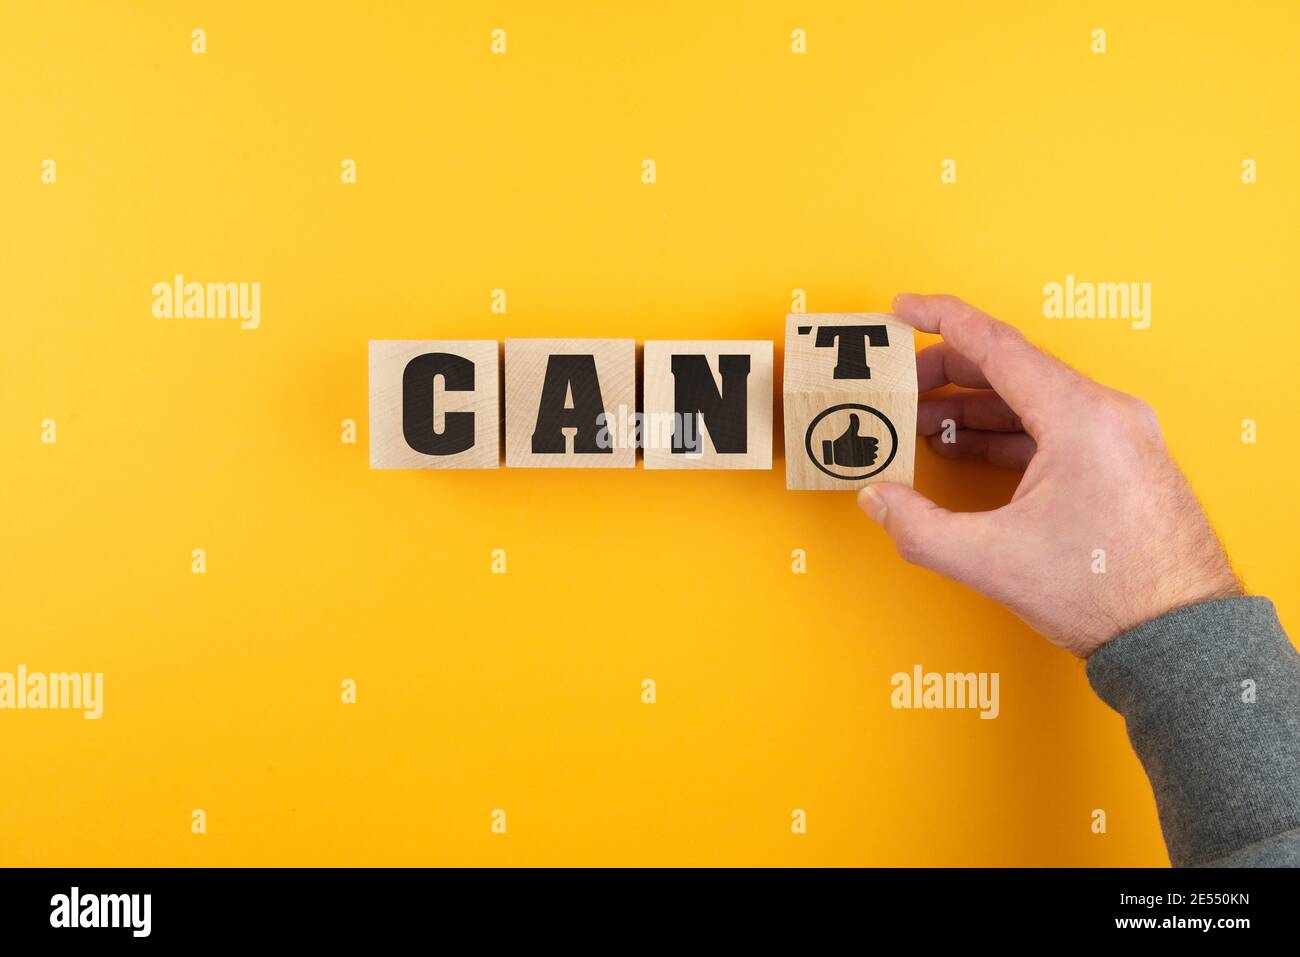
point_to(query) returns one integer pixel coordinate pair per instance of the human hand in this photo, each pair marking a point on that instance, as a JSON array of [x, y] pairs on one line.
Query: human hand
[[1097, 476]]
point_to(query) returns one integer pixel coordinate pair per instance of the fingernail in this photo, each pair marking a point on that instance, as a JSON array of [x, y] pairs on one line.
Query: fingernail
[[873, 503], [903, 297]]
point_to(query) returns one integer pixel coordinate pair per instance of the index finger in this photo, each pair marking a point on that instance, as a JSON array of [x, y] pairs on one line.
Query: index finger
[[1035, 385]]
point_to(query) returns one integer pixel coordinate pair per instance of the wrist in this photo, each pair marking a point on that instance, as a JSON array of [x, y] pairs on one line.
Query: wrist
[[1162, 601]]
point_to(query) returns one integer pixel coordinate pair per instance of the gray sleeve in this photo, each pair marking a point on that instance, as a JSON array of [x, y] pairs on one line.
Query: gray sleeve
[[1211, 697]]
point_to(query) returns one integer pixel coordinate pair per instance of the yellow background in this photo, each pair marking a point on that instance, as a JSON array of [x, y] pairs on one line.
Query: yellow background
[[522, 691]]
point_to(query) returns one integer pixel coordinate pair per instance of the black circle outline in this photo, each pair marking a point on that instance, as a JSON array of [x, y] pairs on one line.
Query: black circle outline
[[893, 434]]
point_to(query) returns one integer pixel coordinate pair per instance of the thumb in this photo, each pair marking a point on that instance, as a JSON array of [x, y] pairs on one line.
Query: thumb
[[923, 533]]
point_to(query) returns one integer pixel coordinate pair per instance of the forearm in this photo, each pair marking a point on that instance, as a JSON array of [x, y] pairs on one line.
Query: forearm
[[1211, 697]]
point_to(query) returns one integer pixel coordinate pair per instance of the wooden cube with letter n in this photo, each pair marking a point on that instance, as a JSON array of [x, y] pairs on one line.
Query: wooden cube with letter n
[[570, 403], [434, 404], [708, 404], [850, 400]]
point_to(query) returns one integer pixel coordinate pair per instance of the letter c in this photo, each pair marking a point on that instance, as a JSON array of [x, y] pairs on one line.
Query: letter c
[[457, 374]]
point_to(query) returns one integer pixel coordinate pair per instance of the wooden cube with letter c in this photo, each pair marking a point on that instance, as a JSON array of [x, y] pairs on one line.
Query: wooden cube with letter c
[[850, 400], [434, 404]]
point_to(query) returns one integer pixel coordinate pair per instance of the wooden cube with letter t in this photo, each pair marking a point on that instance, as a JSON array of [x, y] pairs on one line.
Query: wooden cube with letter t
[[570, 403], [434, 404], [708, 404], [850, 401]]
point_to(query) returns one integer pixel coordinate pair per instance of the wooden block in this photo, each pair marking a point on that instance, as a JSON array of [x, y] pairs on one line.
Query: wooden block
[[708, 404], [434, 404], [566, 400], [850, 401]]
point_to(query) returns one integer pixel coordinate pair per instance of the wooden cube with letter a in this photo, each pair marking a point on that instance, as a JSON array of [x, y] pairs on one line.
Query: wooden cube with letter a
[[850, 401], [571, 403], [708, 404], [434, 404]]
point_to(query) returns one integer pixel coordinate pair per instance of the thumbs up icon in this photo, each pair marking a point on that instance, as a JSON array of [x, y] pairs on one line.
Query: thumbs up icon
[[851, 450]]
